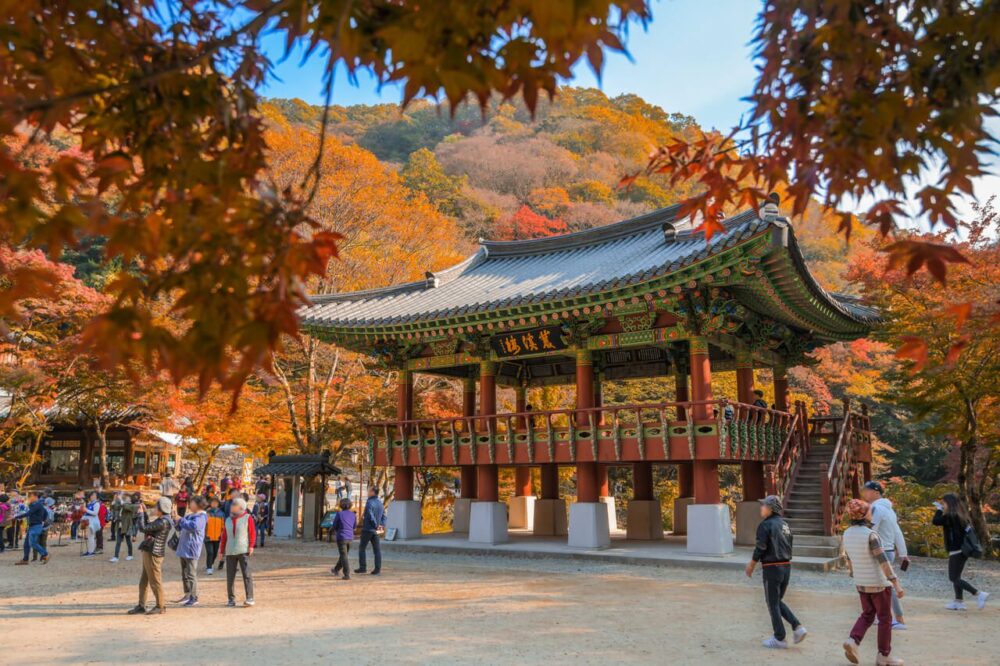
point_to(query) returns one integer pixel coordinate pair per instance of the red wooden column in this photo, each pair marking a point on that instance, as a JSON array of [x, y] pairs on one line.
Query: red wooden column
[[781, 399], [523, 483], [549, 474], [468, 484], [403, 483], [642, 481], [587, 487], [705, 472], [685, 476], [488, 477], [752, 471]]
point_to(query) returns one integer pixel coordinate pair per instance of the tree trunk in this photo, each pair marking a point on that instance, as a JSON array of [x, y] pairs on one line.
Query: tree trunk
[[968, 486], [102, 437]]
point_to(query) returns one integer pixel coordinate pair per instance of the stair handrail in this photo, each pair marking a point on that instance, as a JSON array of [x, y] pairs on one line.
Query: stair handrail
[[793, 451], [839, 474]]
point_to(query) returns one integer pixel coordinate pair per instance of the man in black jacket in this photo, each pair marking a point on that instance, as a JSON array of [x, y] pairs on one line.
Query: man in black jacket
[[774, 551]]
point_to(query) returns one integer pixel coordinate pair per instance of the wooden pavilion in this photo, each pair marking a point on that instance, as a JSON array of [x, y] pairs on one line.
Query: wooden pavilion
[[645, 297]]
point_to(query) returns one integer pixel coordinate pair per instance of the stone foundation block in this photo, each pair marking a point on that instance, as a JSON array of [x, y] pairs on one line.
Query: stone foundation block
[[404, 516], [588, 525], [644, 520], [710, 530], [681, 505], [549, 517], [522, 512], [488, 523], [460, 515]]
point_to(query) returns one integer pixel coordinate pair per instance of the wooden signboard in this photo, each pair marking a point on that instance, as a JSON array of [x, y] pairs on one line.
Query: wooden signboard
[[529, 342]]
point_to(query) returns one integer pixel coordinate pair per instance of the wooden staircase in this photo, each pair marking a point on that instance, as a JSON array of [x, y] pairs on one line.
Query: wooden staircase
[[820, 466]]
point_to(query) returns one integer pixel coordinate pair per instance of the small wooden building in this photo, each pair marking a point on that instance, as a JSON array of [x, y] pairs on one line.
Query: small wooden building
[[298, 492]]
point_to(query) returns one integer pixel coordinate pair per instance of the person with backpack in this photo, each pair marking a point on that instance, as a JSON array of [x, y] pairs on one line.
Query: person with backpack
[[773, 549], [372, 521], [50, 518], [261, 518], [238, 539], [214, 519], [343, 526], [873, 576], [36, 517], [192, 536], [128, 522], [92, 518], [961, 542], [153, 547]]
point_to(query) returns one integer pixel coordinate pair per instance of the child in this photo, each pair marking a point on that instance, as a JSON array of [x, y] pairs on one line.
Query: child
[[873, 576], [213, 533], [774, 551], [343, 527], [239, 536]]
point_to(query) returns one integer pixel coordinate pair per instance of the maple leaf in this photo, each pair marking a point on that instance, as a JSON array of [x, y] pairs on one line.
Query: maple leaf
[[913, 349], [917, 253]]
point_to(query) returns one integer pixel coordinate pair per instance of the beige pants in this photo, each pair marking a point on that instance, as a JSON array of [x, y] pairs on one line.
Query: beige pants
[[152, 576]]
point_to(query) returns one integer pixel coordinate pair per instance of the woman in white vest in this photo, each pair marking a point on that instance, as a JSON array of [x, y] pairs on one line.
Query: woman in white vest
[[238, 539], [874, 577]]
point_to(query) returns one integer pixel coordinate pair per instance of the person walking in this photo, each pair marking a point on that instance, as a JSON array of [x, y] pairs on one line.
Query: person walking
[[372, 520], [153, 547], [127, 525], [886, 523], [36, 517], [953, 518], [18, 511], [873, 575], [238, 539], [773, 549], [192, 536], [6, 518], [344, 522], [92, 518], [181, 501], [169, 487], [261, 518], [50, 518], [214, 520]]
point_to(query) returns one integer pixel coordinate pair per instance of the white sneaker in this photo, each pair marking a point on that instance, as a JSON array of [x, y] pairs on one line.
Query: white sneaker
[[851, 651], [898, 626], [955, 605], [113, 559], [800, 634], [891, 660], [774, 643], [981, 600], [209, 571], [128, 559]]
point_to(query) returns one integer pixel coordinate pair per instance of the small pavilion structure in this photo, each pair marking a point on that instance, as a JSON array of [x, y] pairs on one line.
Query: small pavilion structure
[[298, 492], [645, 297]]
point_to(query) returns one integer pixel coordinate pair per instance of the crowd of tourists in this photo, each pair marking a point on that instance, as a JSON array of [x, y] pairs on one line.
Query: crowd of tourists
[[872, 544]]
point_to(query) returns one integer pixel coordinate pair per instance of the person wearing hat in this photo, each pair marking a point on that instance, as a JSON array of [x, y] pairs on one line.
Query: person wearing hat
[[153, 547], [774, 552], [885, 522], [873, 576]]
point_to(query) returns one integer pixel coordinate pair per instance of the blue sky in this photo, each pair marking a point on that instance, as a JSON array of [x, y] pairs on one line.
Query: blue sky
[[693, 59]]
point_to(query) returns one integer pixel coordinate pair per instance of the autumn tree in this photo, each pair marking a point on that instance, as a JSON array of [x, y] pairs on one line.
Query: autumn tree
[[526, 223], [948, 338]]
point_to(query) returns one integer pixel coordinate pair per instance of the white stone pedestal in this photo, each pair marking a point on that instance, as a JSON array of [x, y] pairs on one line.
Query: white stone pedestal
[[488, 523], [550, 517], [404, 515], [522, 512], [612, 512], [681, 505], [644, 520], [460, 515], [710, 531], [588, 525], [747, 519]]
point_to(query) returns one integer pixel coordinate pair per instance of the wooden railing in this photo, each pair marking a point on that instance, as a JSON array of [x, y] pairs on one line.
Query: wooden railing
[[841, 478], [745, 432], [793, 451]]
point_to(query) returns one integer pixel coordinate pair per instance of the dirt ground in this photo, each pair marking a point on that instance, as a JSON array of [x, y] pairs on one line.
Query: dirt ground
[[452, 609]]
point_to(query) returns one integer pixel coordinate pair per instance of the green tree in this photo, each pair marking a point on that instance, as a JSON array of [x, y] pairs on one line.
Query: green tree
[[423, 173]]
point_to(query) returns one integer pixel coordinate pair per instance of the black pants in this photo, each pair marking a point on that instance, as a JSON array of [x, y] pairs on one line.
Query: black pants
[[127, 538], [775, 583], [243, 562], [956, 564], [211, 553], [100, 539], [14, 534], [366, 538], [344, 563]]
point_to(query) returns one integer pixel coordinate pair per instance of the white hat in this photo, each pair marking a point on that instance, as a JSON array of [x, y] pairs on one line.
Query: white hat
[[240, 502], [165, 505]]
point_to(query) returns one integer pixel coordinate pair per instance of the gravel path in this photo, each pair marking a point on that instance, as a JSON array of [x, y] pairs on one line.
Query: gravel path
[[460, 609]]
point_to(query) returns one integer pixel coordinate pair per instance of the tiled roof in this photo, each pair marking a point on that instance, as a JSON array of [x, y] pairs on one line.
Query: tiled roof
[[511, 273], [298, 465]]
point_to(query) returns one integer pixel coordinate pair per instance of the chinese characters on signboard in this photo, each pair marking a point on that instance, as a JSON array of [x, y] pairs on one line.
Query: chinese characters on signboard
[[523, 343]]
